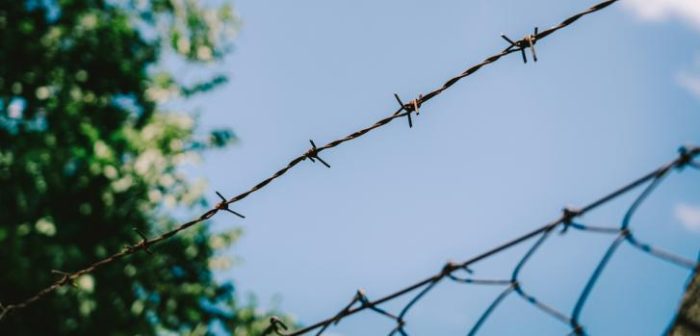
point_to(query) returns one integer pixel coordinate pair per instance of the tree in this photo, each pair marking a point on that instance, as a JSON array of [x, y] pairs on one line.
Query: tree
[[90, 156], [687, 321]]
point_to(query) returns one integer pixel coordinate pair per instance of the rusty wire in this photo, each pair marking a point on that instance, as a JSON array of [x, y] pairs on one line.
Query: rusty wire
[[566, 221], [404, 110]]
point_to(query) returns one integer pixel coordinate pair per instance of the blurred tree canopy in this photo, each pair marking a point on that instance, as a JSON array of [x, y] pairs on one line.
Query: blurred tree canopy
[[90, 149]]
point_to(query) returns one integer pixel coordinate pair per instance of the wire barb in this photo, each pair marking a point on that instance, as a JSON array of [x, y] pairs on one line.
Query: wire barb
[[312, 154], [412, 106], [526, 42], [277, 326], [686, 155], [144, 243], [224, 205], [4, 310], [65, 278]]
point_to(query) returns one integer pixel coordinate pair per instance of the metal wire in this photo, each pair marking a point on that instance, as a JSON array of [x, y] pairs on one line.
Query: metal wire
[[622, 234], [312, 154]]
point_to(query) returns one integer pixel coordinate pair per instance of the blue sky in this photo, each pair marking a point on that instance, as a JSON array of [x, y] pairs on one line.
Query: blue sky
[[497, 155]]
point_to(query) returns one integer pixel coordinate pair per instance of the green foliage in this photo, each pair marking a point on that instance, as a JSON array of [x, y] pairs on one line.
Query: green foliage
[[88, 153]]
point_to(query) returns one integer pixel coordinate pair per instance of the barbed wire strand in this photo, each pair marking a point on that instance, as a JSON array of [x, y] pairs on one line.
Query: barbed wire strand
[[312, 154], [566, 220]]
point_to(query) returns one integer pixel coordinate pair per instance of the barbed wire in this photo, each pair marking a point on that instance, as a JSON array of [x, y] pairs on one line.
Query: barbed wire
[[404, 110], [566, 221]]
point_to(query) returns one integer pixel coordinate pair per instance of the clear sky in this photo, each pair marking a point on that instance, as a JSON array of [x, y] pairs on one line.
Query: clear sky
[[497, 155]]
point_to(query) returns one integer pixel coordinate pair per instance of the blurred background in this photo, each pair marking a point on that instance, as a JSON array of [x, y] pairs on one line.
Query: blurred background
[[499, 154]]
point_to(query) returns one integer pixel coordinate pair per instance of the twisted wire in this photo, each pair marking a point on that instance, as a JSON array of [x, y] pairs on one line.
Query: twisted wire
[[404, 110]]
